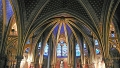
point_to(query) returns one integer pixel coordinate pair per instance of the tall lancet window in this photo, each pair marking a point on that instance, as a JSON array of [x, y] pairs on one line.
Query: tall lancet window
[[39, 45], [46, 50], [58, 50], [96, 42], [77, 50], [62, 50], [97, 46]]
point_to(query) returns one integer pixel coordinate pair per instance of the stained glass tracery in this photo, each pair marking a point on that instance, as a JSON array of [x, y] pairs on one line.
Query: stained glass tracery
[[62, 50]]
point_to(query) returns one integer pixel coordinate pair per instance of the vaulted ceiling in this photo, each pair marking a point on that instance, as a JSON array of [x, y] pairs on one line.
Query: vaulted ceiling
[[86, 17], [93, 12]]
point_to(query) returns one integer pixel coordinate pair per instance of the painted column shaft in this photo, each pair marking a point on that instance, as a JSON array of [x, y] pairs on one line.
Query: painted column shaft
[[49, 53]]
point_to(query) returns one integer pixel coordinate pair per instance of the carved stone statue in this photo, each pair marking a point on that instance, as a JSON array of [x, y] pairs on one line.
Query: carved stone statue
[[61, 64]]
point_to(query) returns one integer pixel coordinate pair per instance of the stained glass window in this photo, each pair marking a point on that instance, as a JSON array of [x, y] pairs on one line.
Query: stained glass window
[[96, 42], [64, 50], [77, 50], [39, 45], [85, 46], [97, 51], [58, 50], [46, 50], [28, 42], [112, 35], [27, 50]]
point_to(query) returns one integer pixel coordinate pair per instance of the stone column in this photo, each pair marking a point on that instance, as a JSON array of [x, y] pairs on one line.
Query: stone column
[[41, 60], [82, 60], [49, 56], [69, 53], [53, 57], [19, 58], [50, 50], [74, 53], [40, 63], [74, 49]]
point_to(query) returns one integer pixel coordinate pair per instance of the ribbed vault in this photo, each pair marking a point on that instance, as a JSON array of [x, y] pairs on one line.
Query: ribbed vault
[[28, 26]]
